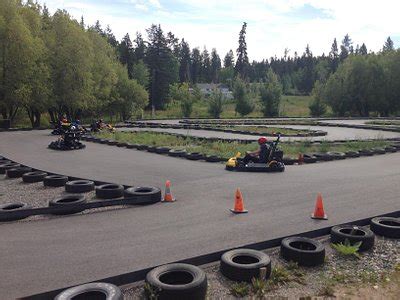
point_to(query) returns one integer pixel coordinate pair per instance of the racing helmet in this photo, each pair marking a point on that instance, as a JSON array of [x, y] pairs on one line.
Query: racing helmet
[[262, 140]]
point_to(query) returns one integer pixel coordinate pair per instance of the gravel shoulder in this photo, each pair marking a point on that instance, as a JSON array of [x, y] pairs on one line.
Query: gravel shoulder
[[376, 275]]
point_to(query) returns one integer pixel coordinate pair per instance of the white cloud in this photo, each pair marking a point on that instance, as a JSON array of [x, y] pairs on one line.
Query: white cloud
[[271, 26]]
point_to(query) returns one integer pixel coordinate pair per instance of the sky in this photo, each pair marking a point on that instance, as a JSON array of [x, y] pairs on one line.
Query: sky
[[272, 25]]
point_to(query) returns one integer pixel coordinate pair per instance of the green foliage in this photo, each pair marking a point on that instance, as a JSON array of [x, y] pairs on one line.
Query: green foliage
[[181, 93], [327, 290], [140, 72], [271, 95], [347, 249], [279, 275], [240, 289], [215, 103], [317, 107], [241, 95], [151, 292], [259, 286]]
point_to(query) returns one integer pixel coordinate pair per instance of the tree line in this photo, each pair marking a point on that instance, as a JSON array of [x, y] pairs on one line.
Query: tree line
[[55, 64]]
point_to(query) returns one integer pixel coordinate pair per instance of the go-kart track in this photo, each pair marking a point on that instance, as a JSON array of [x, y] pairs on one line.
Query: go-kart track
[[45, 255]]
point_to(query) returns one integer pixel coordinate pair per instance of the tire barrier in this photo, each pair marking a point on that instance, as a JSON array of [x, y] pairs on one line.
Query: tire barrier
[[108, 194], [386, 226], [32, 177], [142, 195], [354, 234], [178, 281], [17, 172], [304, 251], [68, 204], [55, 180], [245, 264], [308, 157], [310, 133], [95, 290], [79, 186], [6, 166]]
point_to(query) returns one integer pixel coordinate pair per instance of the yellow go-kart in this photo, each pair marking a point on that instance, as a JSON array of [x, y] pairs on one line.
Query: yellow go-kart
[[274, 164]]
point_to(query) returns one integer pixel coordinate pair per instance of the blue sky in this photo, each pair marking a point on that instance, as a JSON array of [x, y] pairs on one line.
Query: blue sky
[[273, 25]]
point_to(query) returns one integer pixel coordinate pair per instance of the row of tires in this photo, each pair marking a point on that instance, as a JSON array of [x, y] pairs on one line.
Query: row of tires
[[184, 281], [311, 133], [159, 150], [74, 202], [329, 156]]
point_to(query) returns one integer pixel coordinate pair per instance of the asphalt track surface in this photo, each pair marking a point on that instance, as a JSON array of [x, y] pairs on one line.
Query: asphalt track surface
[[333, 133], [39, 256]]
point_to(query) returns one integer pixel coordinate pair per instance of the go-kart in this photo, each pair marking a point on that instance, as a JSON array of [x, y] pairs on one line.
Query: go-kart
[[62, 128], [100, 126], [70, 140], [274, 162]]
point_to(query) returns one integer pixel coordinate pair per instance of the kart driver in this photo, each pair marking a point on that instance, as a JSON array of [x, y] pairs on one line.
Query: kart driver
[[259, 156]]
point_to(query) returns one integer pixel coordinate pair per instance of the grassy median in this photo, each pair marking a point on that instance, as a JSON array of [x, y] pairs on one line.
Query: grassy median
[[228, 149]]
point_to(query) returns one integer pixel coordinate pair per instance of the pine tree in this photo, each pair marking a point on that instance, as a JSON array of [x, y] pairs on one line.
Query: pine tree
[[111, 37], [215, 65], [163, 66], [125, 50], [363, 50], [184, 61], [195, 66], [346, 48], [140, 48], [334, 56], [388, 46], [229, 59], [242, 62], [205, 66]]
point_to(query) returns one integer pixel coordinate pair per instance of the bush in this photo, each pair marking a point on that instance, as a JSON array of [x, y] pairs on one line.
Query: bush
[[270, 94], [317, 107], [215, 103], [180, 93], [241, 96]]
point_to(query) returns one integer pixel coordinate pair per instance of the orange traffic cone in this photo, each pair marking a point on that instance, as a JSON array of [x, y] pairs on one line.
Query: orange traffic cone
[[319, 209], [168, 195], [239, 207], [300, 160]]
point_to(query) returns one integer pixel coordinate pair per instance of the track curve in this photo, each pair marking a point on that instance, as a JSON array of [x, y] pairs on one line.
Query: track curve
[[76, 249]]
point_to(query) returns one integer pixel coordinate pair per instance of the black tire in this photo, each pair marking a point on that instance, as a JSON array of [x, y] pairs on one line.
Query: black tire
[[244, 264], [32, 177], [386, 226], [112, 143], [352, 154], [390, 149], [162, 150], [130, 146], [304, 251], [323, 156], [177, 153], [337, 155], [366, 152], [289, 161], [364, 235], [151, 149], [17, 172], [142, 195], [378, 150], [309, 159], [109, 191], [212, 158], [178, 281], [101, 141], [142, 147], [70, 204], [55, 180], [91, 291], [79, 186], [120, 145], [7, 166], [5, 209], [194, 156]]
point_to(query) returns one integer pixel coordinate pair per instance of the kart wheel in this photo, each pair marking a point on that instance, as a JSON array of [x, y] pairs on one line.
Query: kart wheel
[[55, 180], [304, 251], [109, 191], [70, 204], [178, 281], [386, 226], [79, 186], [95, 290], [32, 177], [142, 195], [354, 234], [244, 264]]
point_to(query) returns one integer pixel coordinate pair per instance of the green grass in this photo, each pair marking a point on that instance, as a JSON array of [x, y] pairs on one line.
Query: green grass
[[347, 249], [291, 106], [269, 130], [229, 149], [240, 289]]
